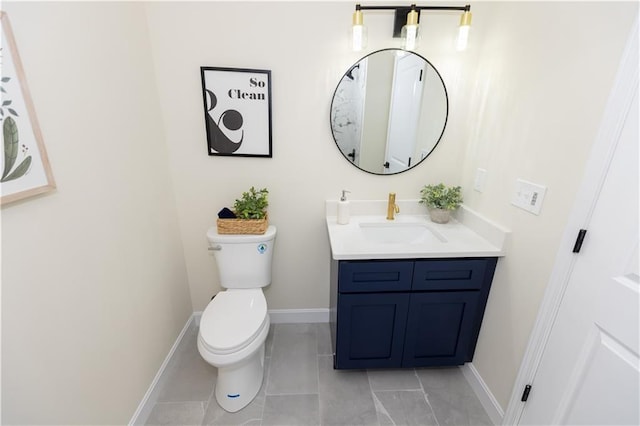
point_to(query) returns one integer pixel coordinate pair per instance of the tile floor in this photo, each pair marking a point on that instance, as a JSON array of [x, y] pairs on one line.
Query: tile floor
[[302, 388]]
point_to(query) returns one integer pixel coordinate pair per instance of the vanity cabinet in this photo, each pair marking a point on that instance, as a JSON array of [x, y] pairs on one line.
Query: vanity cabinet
[[408, 312]]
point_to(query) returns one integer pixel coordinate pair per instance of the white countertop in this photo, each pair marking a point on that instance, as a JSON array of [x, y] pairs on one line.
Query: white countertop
[[468, 235]]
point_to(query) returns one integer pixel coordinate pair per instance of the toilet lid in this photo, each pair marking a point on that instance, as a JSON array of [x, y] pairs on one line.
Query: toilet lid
[[232, 319]]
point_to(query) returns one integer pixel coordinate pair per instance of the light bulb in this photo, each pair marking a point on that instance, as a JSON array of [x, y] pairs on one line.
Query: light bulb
[[358, 32], [463, 32], [409, 32]]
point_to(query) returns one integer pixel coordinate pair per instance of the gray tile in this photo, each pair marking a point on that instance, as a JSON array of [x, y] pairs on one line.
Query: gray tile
[[324, 339], [251, 414], [301, 387], [451, 397], [403, 408], [345, 396], [188, 376], [396, 379], [295, 410], [294, 362], [176, 413]]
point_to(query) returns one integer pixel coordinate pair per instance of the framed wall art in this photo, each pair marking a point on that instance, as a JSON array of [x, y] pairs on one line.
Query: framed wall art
[[25, 165], [237, 110]]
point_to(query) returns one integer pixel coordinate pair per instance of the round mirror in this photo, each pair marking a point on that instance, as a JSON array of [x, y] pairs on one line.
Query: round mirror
[[389, 111]]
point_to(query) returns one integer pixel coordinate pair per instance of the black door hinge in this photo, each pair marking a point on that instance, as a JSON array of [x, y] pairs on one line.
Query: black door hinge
[[578, 245], [525, 394]]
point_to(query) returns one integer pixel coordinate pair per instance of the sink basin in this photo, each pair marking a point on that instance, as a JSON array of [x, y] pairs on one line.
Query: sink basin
[[399, 233]]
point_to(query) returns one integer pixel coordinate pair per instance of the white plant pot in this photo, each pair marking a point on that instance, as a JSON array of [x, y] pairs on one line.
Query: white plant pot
[[439, 215]]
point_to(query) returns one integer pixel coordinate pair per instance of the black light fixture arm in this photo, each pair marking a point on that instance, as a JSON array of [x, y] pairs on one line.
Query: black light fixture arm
[[465, 8]]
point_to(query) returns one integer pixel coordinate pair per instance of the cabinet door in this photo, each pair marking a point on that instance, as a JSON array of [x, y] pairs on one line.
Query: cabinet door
[[370, 330], [440, 328]]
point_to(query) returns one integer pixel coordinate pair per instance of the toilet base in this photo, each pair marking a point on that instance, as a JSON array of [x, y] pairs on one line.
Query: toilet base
[[238, 384]]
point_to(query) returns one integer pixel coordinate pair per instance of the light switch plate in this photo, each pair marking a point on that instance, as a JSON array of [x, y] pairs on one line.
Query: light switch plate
[[481, 178], [528, 196]]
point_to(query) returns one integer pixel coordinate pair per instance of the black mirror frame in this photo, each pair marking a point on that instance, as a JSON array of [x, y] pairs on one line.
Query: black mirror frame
[[347, 74]]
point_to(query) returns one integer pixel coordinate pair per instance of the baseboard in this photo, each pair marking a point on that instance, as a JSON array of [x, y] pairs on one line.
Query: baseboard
[[148, 401], [291, 316], [488, 401]]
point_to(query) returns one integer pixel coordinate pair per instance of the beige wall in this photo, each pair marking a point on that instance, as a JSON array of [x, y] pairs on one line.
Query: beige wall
[[307, 58], [533, 100], [94, 287]]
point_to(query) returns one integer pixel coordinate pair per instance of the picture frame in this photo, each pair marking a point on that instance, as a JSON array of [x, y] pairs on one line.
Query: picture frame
[[237, 110], [25, 165]]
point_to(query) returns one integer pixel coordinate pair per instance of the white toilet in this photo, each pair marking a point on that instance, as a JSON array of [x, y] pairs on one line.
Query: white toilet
[[235, 324]]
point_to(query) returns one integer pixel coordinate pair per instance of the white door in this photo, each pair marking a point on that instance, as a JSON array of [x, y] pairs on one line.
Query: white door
[[588, 372], [406, 98]]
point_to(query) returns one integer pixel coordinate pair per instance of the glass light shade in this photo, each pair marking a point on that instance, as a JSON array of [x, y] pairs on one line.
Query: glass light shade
[[358, 32], [463, 37], [409, 32], [463, 32], [358, 37], [410, 37]]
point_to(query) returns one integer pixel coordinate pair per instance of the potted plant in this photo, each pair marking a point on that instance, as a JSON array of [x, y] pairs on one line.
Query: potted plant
[[441, 201], [252, 205], [251, 214]]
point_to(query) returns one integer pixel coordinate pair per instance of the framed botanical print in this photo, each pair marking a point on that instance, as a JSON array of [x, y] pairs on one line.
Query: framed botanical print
[[25, 165]]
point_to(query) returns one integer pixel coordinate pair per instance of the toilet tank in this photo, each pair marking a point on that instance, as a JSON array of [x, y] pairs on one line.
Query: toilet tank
[[244, 261]]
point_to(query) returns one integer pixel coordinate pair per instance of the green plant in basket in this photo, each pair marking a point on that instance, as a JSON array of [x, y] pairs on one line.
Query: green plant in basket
[[441, 197], [252, 205]]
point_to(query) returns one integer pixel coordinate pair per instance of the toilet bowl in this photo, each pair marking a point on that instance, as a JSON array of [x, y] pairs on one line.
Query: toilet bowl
[[233, 329], [235, 323]]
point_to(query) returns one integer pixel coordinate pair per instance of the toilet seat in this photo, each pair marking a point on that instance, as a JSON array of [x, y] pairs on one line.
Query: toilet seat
[[232, 320]]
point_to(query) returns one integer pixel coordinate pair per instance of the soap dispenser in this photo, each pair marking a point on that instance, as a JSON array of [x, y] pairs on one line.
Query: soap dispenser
[[343, 209]]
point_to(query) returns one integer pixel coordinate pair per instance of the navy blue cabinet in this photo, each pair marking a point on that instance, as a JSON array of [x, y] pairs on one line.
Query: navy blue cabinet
[[407, 313]]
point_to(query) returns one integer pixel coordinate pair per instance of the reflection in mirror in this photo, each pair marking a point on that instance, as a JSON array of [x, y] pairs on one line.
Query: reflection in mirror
[[389, 111]]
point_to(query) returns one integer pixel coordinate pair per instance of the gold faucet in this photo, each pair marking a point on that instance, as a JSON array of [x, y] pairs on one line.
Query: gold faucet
[[392, 207]]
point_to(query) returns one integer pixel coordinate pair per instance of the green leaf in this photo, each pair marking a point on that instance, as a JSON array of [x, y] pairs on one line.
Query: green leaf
[[10, 133], [252, 205], [12, 111], [441, 197], [5, 79], [5, 103], [20, 170]]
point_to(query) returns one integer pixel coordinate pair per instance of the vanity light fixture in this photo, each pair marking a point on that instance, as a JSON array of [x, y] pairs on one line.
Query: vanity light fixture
[[410, 31]]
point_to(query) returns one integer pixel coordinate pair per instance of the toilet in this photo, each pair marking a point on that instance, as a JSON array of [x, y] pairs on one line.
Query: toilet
[[235, 324]]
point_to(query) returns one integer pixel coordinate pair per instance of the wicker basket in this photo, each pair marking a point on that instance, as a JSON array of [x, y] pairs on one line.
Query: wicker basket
[[242, 226]]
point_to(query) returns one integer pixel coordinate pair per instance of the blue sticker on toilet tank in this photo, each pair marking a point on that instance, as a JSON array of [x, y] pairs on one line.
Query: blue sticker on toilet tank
[[262, 248]]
